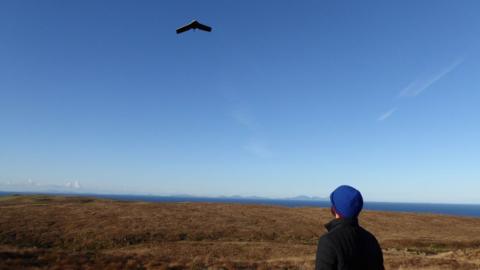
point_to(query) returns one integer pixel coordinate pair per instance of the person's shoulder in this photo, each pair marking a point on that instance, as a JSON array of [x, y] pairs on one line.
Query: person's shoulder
[[368, 235], [326, 247], [325, 239], [366, 232]]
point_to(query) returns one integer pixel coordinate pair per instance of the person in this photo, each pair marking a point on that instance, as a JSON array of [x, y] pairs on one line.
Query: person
[[346, 245]]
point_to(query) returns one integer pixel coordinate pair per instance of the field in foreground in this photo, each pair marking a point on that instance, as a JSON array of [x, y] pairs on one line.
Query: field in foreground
[[51, 232]]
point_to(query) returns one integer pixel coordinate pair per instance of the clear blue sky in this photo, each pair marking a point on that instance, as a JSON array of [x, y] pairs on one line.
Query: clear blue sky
[[283, 98]]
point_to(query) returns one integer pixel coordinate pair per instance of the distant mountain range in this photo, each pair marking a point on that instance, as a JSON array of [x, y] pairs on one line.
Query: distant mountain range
[[296, 198], [308, 198], [74, 187]]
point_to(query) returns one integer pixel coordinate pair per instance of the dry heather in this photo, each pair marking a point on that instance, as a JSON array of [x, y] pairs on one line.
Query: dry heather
[[52, 232]]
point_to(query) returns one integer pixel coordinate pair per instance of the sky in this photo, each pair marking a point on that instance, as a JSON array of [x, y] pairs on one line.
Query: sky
[[282, 98]]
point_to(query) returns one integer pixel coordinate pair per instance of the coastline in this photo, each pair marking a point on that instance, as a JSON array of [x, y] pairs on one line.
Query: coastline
[[460, 210]]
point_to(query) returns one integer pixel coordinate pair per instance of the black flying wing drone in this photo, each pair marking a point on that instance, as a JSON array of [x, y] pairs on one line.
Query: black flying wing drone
[[194, 25]]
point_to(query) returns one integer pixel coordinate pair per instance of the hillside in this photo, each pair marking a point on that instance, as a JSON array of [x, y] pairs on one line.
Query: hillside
[[52, 232]]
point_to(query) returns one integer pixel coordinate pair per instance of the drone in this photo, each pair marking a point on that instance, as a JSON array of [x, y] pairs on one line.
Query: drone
[[194, 25]]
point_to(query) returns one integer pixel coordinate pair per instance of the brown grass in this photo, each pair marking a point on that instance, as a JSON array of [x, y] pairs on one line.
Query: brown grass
[[53, 232]]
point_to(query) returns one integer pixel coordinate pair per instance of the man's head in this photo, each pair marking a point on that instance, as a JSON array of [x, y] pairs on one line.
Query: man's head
[[347, 202]]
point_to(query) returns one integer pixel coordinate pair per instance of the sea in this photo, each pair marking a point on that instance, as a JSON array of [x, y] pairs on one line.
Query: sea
[[468, 210]]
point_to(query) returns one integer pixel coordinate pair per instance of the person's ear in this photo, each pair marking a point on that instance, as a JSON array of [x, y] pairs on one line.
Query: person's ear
[[332, 210]]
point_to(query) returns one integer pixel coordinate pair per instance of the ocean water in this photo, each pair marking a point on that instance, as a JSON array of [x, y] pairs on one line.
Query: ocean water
[[471, 210]]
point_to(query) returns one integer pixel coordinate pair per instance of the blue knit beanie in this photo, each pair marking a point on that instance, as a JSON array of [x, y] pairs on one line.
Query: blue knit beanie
[[347, 201]]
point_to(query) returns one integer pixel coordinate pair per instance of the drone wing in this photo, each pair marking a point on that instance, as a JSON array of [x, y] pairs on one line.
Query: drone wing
[[203, 27], [184, 28]]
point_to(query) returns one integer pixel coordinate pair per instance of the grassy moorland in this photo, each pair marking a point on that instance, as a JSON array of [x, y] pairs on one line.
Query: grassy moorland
[[50, 232]]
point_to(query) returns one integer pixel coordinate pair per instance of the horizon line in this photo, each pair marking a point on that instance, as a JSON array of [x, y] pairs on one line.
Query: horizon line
[[239, 197]]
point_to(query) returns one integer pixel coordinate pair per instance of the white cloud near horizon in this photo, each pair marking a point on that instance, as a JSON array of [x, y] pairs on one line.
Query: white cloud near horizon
[[416, 87], [386, 114]]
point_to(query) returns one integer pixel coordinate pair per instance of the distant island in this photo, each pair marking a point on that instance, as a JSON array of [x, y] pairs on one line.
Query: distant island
[[308, 198], [74, 188], [299, 198]]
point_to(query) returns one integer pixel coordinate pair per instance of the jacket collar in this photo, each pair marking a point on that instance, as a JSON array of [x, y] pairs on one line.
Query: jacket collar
[[340, 222]]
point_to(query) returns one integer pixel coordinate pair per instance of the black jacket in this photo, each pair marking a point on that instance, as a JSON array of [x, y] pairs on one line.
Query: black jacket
[[348, 246]]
